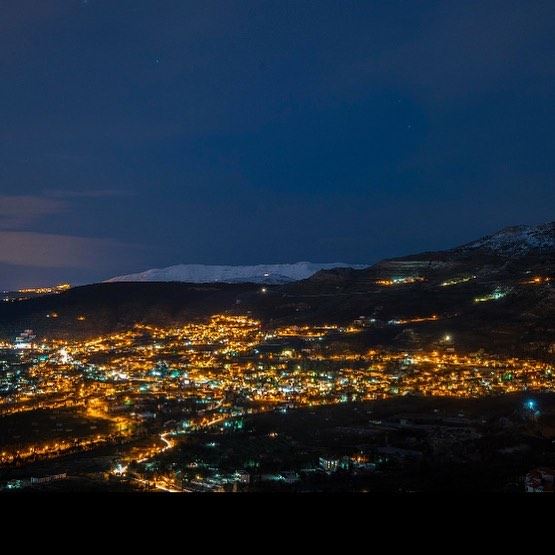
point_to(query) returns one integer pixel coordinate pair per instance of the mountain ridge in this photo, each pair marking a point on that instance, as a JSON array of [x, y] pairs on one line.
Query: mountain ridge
[[512, 241], [496, 294], [516, 240], [208, 273]]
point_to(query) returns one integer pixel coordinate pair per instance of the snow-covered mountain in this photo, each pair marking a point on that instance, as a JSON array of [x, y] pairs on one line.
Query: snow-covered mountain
[[516, 241], [262, 273]]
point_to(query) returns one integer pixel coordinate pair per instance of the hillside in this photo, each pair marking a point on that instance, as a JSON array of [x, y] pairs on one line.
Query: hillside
[[496, 293]]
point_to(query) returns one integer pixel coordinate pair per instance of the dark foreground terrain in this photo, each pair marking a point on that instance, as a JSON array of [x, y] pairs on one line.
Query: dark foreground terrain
[[408, 444]]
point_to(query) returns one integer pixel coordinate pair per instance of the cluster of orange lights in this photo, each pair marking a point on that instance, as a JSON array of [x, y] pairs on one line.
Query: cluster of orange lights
[[538, 280], [46, 290], [399, 281]]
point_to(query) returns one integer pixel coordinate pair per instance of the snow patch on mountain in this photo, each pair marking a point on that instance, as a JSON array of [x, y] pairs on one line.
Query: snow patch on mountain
[[262, 273], [516, 241]]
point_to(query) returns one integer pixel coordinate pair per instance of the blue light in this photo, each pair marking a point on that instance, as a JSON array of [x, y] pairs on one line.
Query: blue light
[[531, 405]]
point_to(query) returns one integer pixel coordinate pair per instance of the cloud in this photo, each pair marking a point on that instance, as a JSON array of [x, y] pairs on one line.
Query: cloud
[[42, 250], [91, 193], [17, 212], [22, 211]]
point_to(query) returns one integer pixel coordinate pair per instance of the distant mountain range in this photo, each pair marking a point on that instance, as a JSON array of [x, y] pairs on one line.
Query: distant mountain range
[[515, 241], [495, 293], [262, 273]]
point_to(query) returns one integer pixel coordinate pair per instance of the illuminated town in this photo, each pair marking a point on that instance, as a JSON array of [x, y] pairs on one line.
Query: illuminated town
[[276, 247], [144, 390], [30, 292]]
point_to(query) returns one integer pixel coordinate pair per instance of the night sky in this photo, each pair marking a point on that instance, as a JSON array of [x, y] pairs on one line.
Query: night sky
[[138, 134]]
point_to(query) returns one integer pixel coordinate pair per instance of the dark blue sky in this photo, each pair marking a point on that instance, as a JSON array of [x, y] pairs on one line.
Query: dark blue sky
[[138, 133]]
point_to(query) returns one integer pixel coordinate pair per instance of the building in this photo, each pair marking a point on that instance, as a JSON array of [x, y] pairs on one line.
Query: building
[[345, 463], [243, 477], [25, 340], [540, 480], [329, 464]]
